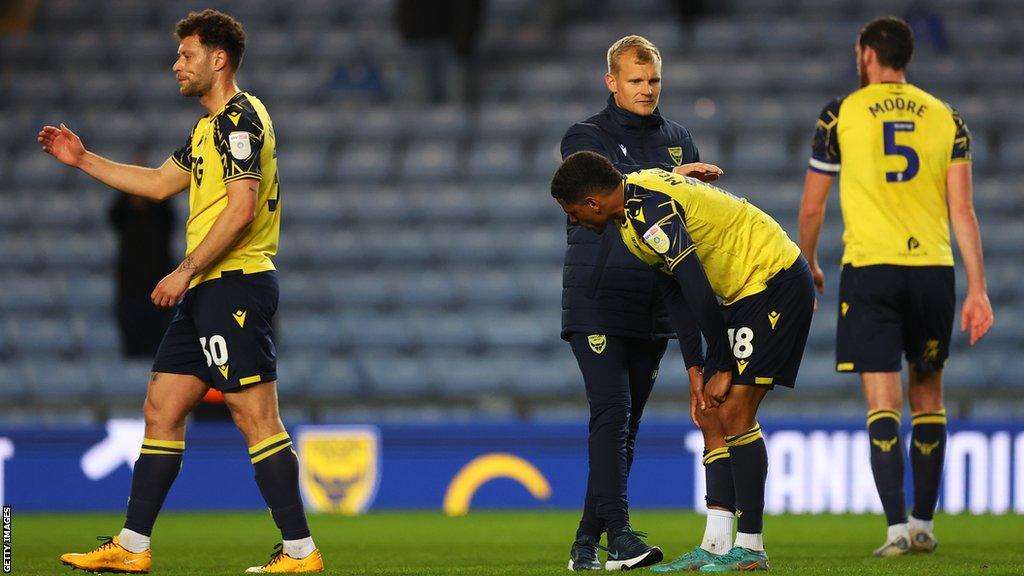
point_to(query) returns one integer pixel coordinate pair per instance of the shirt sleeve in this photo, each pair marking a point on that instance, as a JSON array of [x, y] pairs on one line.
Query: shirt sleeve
[[182, 157], [683, 321], [825, 147], [962, 140], [660, 221], [239, 141]]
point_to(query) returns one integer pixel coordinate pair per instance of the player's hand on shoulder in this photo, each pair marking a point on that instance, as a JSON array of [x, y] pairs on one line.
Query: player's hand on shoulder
[[63, 144], [977, 316], [700, 170]]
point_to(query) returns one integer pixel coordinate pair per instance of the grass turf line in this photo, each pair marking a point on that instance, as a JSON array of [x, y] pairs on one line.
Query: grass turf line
[[527, 543]]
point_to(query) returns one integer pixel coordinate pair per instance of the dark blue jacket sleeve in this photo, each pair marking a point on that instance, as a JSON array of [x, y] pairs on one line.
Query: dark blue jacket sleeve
[[683, 322]]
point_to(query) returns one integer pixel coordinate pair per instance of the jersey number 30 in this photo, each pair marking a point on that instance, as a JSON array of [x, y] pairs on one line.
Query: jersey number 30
[[893, 149]]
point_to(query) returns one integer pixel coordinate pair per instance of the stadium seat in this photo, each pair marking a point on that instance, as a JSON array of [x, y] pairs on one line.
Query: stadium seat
[[59, 381], [365, 162], [120, 380], [495, 160], [334, 380]]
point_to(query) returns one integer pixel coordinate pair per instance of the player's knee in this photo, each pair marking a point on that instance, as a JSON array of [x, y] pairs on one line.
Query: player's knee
[[162, 418]]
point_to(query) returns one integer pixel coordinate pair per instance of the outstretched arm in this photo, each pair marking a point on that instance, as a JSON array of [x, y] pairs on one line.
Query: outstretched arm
[[976, 313], [153, 183]]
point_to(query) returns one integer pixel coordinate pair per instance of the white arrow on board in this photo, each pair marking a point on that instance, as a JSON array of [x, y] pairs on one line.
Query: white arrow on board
[[121, 446]]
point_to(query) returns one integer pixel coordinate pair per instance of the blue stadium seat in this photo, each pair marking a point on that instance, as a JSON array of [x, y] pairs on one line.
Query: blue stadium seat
[[365, 162], [35, 168], [446, 330], [334, 380], [96, 334], [470, 375], [308, 332], [504, 120], [359, 290], [14, 386], [495, 160], [59, 381], [396, 375], [546, 158], [444, 121], [121, 380], [761, 154], [94, 250], [302, 164], [425, 290], [719, 36], [430, 160], [33, 293], [549, 375], [536, 331], [368, 331]]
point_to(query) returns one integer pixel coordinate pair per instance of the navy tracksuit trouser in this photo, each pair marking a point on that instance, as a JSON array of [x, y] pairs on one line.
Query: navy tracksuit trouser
[[619, 374]]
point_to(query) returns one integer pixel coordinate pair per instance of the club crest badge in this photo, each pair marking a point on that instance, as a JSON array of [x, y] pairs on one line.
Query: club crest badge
[[676, 154], [597, 342], [339, 467]]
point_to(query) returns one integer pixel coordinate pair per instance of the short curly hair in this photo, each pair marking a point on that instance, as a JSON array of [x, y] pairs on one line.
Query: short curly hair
[[215, 30], [582, 174]]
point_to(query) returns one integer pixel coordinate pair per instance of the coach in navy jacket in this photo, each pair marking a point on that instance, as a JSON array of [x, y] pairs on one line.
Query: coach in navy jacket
[[612, 313]]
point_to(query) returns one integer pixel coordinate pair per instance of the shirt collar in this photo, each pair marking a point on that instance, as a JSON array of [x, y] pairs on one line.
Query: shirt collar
[[632, 121]]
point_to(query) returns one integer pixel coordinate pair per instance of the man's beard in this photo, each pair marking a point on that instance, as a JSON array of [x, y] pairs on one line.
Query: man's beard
[[195, 88]]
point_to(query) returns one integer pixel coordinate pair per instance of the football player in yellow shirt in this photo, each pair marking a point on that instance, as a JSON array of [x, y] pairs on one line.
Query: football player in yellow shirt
[[225, 293], [730, 268], [904, 163]]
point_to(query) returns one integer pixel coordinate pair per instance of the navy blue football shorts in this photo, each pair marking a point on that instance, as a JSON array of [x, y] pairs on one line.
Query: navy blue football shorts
[[222, 333], [768, 330], [887, 311]]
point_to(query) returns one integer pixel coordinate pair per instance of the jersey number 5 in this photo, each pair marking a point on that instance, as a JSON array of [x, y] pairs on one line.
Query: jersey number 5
[[889, 130]]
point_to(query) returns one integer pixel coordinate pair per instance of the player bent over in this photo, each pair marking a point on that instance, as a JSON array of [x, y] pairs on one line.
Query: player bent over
[[711, 246], [225, 292]]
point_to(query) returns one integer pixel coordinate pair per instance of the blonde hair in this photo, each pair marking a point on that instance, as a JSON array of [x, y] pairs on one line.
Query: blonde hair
[[645, 51]]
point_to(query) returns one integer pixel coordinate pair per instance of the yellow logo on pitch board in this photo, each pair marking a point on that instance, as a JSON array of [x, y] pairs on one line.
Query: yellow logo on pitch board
[[339, 467], [597, 342], [483, 469]]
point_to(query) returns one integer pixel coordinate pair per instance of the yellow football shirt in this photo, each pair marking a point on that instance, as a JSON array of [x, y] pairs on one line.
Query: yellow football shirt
[[892, 145], [237, 142], [669, 217]]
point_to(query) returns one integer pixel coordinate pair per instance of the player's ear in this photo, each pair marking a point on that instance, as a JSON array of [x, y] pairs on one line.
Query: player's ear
[[593, 204], [220, 60], [609, 81]]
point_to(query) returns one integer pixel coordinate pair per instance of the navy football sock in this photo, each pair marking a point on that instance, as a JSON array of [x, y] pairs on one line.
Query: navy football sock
[[277, 475], [155, 470], [926, 457], [749, 457], [887, 463], [721, 490]]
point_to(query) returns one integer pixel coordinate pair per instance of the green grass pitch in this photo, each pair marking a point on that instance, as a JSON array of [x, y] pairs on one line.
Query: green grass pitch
[[426, 543]]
